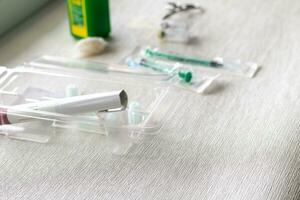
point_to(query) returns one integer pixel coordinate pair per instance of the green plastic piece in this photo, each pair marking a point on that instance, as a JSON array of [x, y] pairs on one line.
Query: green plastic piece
[[89, 18], [184, 75], [179, 58]]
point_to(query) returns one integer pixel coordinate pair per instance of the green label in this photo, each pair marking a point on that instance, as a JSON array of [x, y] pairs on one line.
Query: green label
[[77, 15]]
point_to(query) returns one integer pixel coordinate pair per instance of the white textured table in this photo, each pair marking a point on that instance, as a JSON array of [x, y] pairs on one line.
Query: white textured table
[[242, 141]]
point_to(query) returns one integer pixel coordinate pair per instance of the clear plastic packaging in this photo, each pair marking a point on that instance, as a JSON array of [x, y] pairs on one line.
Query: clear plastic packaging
[[42, 81], [220, 64], [175, 74]]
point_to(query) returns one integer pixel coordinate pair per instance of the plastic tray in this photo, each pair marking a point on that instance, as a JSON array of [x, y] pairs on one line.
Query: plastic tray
[[33, 83]]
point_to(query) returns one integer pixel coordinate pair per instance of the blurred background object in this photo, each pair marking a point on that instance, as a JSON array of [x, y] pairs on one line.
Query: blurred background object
[[89, 18], [13, 12]]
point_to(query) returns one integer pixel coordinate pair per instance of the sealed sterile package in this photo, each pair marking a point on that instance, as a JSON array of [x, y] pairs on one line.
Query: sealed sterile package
[[222, 65], [46, 99], [174, 74], [155, 72]]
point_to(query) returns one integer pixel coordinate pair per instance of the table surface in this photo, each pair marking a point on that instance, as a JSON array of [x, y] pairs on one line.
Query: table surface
[[239, 141]]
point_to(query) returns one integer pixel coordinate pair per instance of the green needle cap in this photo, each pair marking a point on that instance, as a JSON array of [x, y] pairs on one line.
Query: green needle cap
[[185, 75]]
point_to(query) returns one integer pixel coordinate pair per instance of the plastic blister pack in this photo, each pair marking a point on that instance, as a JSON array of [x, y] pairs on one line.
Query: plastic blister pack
[[176, 75], [233, 66], [172, 74], [42, 83]]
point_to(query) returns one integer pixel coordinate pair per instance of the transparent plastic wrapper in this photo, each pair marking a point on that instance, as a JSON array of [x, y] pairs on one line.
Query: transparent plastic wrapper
[[45, 80], [156, 72], [176, 75], [177, 23], [220, 64]]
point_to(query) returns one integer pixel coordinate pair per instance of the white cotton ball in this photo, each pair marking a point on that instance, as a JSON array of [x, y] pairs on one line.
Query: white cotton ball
[[89, 47]]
